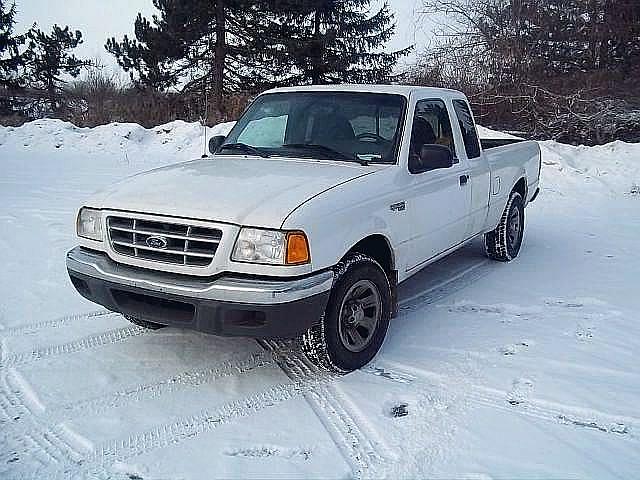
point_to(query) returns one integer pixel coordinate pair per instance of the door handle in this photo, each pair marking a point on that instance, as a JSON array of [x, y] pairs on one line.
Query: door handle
[[464, 179]]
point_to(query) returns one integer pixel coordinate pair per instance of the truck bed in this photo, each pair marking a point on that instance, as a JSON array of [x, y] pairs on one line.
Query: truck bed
[[512, 159]]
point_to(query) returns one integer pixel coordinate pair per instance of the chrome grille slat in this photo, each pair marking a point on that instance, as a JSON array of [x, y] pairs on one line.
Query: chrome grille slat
[[168, 235], [184, 244], [166, 250], [135, 239]]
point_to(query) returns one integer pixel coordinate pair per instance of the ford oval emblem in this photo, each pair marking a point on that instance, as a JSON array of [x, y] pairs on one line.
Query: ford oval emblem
[[157, 242]]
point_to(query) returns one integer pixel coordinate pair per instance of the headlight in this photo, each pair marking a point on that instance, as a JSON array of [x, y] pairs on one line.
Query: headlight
[[272, 247], [89, 224]]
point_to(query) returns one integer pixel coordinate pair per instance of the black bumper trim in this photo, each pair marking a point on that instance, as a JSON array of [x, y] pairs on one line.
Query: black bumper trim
[[275, 321]]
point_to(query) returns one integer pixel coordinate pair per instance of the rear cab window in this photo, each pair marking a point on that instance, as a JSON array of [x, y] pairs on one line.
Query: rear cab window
[[467, 128]]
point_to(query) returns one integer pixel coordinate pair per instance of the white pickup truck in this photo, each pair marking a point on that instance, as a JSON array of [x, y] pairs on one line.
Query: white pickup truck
[[316, 206]]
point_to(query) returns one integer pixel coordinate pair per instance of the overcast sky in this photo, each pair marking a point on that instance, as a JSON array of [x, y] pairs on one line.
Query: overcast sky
[[100, 19]]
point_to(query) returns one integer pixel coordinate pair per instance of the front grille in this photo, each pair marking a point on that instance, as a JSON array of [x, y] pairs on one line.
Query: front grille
[[175, 243]]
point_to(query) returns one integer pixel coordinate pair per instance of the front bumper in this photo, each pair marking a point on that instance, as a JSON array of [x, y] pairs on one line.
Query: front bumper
[[229, 306]]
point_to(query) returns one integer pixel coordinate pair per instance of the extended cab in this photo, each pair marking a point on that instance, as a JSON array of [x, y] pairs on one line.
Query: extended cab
[[311, 211]]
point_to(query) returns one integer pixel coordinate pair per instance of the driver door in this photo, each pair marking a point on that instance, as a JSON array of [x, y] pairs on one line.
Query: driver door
[[439, 200]]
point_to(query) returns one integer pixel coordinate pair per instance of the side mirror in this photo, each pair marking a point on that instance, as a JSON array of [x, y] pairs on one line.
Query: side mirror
[[432, 157], [216, 142]]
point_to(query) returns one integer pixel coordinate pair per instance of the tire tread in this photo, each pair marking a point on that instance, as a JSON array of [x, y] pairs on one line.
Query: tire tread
[[314, 342], [495, 242]]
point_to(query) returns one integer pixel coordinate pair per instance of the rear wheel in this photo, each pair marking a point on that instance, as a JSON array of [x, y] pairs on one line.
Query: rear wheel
[[356, 319], [503, 244], [144, 323]]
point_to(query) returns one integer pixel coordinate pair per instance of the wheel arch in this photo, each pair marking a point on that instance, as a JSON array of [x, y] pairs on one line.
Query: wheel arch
[[521, 187], [497, 203], [378, 247]]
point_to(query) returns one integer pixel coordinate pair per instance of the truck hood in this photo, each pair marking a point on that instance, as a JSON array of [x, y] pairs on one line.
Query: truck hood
[[251, 191]]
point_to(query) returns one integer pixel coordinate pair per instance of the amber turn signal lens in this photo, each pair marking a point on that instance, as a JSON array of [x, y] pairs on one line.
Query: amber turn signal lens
[[297, 249]]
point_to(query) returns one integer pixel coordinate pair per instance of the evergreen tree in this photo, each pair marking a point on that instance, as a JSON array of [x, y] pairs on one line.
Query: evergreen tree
[[337, 41], [163, 49], [199, 45], [244, 45], [48, 58], [10, 58]]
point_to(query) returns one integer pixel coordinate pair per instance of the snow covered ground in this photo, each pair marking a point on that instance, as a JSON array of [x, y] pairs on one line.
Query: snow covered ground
[[525, 370]]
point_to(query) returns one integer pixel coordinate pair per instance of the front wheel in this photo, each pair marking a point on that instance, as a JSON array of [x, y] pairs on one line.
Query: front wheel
[[356, 319], [503, 244]]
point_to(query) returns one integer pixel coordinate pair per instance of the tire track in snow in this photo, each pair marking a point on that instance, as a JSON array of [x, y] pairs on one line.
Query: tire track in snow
[[190, 426], [361, 447], [502, 400], [448, 287], [117, 335], [55, 323], [366, 452], [152, 390], [44, 440], [31, 438], [551, 411], [558, 412]]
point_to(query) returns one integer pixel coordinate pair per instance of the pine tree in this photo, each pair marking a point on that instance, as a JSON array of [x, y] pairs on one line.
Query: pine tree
[[337, 41], [163, 50], [48, 58], [10, 58], [198, 46], [222, 46]]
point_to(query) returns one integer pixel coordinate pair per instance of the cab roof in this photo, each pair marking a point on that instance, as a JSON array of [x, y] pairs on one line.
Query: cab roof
[[404, 90]]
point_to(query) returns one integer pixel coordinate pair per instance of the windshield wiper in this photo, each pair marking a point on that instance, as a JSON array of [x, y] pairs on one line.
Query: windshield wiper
[[331, 152], [245, 148]]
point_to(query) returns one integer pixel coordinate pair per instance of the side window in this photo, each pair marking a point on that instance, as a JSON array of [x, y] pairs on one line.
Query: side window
[[431, 125], [468, 129]]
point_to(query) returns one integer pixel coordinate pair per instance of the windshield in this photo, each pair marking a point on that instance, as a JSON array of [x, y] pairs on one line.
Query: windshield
[[345, 126]]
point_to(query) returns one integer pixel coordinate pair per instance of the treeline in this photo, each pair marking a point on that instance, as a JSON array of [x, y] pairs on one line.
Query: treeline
[[201, 59], [561, 69]]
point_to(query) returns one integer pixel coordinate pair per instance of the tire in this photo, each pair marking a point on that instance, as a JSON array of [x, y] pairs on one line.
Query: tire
[[144, 323], [503, 244], [356, 319]]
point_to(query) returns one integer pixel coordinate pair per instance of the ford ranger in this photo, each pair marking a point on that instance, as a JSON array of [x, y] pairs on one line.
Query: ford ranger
[[319, 202]]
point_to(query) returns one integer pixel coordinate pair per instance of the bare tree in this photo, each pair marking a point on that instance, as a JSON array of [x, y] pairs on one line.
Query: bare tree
[[550, 68]]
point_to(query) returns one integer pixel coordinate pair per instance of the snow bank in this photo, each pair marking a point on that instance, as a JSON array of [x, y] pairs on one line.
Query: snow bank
[[221, 129], [607, 169], [610, 169], [178, 140]]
